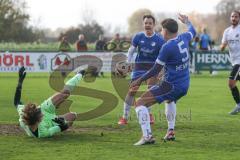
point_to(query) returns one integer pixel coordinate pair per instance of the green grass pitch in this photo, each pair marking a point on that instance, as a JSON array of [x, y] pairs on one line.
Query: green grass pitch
[[204, 130]]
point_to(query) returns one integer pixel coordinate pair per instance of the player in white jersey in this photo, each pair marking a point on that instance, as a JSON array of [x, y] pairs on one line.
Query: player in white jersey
[[231, 38]]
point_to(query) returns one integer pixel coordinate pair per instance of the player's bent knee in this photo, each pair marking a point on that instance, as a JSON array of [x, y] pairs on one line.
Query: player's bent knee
[[231, 84], [70, 116]]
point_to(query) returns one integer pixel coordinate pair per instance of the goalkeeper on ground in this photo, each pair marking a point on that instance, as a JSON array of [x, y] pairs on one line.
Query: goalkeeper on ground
[[42, 121]]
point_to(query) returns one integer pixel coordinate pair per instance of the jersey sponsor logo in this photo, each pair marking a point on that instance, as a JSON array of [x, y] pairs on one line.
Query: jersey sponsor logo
[[233, 41], [145, 50], [153, 44], [142, 41], [182, 66]]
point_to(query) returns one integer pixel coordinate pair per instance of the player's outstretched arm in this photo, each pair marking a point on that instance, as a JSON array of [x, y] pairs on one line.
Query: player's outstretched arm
[[224, 42], [49, 132], [21, 76], [131, 51], [223, 46], [184, 19], [152, 72]]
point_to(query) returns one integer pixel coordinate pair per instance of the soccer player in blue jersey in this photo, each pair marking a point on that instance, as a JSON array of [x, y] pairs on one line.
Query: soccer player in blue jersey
[[147, 45], [174, 59], [205, 41]]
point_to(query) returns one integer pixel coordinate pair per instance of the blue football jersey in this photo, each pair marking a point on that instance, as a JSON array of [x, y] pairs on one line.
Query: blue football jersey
[[147, 47], [174, 57], [204, 40]]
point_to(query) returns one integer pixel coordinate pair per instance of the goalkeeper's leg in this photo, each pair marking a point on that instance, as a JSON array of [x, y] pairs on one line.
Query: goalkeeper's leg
[[58, 98], [69, 118]]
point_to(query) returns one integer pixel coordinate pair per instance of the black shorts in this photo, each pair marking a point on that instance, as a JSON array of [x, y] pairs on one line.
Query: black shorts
[[234, 75]]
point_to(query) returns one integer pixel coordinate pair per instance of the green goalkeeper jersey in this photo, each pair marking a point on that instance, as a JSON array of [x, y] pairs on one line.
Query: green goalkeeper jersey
[[46, 127]]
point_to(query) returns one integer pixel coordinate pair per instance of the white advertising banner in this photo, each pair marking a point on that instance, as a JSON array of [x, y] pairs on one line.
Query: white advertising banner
[[48, 61]]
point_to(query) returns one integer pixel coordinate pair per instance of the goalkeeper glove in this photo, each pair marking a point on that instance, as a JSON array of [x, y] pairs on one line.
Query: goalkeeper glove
[[61, 123], [21, 74]]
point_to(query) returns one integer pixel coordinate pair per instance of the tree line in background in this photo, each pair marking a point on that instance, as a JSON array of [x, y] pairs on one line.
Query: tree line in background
[[91, 31], [14, 22], [14, 25]]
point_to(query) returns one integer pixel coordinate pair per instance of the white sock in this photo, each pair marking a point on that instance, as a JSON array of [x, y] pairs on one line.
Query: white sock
[[170, 112], [127, 106], [73, 82], [144, 120]]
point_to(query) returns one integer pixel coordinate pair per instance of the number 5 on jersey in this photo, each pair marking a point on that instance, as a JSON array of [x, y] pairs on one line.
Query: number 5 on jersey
[[183, 50]]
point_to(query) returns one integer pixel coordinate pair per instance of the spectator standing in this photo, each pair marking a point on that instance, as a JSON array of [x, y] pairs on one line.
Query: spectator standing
[[81, 44], [64, 45], [116, 40], [205, 41], [100, 44], [195, 43]]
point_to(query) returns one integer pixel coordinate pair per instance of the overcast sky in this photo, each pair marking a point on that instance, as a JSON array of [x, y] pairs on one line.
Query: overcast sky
[[65, 13]]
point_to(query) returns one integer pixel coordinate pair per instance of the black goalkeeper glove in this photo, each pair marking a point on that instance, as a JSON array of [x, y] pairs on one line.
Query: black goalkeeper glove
[[61, 123], [21, 74]]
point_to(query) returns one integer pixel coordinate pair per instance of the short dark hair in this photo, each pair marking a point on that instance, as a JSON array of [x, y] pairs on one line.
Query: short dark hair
[[31, 114], [238, 12], [149, 16], [170, 24]]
